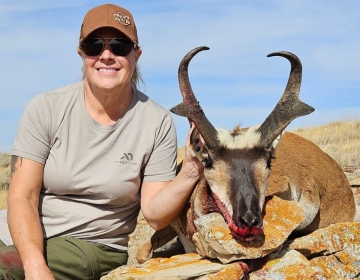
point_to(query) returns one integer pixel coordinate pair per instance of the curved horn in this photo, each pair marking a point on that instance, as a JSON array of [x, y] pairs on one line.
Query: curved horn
[[289, 106], [190, 107]]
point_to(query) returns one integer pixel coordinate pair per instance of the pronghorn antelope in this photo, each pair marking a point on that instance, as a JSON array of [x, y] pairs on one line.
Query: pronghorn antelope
[[242, 167]]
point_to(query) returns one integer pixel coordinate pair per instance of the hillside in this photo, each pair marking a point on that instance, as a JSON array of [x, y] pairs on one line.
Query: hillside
[[341, 140]]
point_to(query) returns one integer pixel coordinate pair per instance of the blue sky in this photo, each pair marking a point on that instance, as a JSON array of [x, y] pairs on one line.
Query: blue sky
[[234, 81]]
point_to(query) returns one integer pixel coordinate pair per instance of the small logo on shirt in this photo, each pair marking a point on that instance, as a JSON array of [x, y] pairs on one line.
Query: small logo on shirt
[[127, 156], [126, 159]]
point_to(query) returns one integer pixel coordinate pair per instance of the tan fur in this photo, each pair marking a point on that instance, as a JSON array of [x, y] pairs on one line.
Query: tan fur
[[301, 171], [218, 179], [261, 175]]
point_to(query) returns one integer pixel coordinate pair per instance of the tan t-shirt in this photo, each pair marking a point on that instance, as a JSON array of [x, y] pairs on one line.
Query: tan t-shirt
[[93, 172]]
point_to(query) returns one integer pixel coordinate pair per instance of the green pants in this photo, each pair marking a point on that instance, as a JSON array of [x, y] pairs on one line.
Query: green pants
[[68, 258]]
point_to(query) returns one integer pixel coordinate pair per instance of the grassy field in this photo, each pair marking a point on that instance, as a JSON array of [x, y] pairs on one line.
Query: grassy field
[[5, 160], [341, 140]]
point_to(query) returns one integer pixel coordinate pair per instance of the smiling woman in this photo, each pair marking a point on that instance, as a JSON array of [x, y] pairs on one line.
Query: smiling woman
[[83, 154]]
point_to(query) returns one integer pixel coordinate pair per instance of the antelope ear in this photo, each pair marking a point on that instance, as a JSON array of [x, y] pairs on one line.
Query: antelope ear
[[194, 135], [200, 150]]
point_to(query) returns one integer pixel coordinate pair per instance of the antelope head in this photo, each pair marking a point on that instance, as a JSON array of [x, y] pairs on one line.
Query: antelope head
[[237, 163]]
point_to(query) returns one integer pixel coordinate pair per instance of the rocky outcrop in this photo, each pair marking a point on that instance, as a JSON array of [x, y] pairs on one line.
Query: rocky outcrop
[[329, 253], [186, 266], [213, 238]]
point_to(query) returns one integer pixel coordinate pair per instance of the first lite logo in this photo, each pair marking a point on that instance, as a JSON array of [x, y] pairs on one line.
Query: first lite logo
[[127, 156]]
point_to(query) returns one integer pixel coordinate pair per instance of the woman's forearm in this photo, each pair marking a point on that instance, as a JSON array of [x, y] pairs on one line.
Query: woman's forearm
[[23, 217], [26, 232], [168, 202]]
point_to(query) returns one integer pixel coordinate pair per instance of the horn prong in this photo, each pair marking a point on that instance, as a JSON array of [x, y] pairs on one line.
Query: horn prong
[[190, 106], [289, 106]]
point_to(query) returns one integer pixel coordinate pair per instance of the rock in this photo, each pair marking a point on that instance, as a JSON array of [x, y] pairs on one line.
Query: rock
[[186, 266], [344, 264], [352, 173], [214, 239], [355, 182], [293, 265], [331, 239], [143, 233], [329, 253]]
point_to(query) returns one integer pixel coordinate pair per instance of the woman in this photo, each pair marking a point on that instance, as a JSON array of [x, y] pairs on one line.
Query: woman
[[81, 158]]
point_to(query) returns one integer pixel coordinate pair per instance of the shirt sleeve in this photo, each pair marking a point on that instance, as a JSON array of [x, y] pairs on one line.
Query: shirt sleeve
[[162, 162], [33, 140]]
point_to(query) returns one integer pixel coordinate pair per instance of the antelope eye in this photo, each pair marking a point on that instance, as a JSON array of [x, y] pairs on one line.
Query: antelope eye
[[207, 163]]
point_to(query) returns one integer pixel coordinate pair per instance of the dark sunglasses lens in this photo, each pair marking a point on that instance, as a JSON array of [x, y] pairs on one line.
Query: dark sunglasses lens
[[92, 47], [121, 47]]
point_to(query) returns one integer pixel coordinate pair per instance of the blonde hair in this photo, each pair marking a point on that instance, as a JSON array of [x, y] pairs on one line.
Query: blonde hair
[[137, 78]]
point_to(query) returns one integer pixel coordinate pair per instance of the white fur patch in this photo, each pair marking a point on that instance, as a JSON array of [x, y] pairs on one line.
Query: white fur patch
[[247, 139], [221, 193]]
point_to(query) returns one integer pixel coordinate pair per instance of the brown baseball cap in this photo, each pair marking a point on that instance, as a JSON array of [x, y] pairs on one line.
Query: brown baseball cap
[[109, 15]]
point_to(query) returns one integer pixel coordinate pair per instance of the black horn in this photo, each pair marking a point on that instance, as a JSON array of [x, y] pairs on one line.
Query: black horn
[[289, 106], [190, 107]]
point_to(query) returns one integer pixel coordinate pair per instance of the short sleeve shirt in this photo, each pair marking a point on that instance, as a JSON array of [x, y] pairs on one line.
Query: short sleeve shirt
[[93, 172]]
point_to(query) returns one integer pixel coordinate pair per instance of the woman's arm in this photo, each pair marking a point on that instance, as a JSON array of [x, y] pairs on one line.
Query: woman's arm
[[23, 216], [161, 202]]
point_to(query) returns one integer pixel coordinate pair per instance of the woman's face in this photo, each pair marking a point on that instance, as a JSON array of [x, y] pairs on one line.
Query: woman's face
[[108, 72]]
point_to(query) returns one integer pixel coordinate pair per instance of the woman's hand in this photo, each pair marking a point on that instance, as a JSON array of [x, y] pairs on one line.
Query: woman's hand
[[175, 192], [191, 164], [40, 273]]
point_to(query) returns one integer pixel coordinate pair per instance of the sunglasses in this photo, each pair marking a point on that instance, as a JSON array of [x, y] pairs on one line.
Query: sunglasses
[[95, 46]]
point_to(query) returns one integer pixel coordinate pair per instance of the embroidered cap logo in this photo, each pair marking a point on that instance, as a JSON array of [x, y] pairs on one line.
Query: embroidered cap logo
[[122, 18]]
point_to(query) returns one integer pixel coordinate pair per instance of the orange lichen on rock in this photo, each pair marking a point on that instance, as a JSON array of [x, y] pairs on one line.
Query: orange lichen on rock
[[214, 239], [186, 266], [231, 271], [221, 233], [329, 240]]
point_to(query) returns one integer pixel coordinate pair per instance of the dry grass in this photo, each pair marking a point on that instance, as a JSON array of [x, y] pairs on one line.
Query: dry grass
[[180, 154], [3, 199], [341, 140], [5, 161]]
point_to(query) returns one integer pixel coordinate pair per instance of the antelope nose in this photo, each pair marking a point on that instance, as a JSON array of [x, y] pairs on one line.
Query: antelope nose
[[250, 220]]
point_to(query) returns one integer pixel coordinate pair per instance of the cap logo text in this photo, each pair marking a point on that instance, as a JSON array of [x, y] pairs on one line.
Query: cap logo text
[[122, 18]]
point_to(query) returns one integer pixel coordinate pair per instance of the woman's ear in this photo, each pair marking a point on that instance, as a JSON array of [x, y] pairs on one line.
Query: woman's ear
[[138, 54], [79, 52]]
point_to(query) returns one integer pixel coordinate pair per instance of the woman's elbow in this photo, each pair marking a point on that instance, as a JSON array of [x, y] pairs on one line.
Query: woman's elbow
[[155, 222]]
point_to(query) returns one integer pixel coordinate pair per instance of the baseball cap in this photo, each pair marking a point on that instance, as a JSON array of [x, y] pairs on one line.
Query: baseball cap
[[109, 15]]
